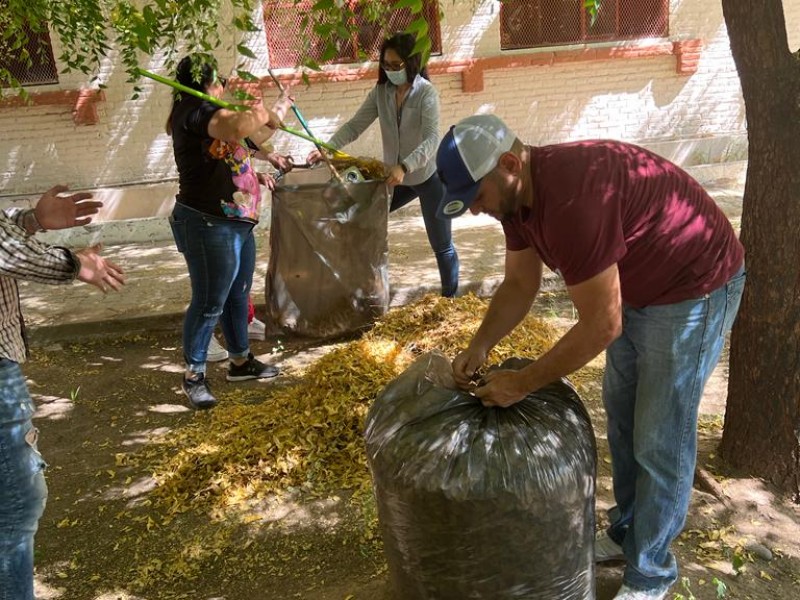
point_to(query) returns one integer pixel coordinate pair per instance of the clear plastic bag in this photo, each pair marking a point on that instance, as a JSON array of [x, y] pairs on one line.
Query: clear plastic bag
[[328, 263], [483, 503]]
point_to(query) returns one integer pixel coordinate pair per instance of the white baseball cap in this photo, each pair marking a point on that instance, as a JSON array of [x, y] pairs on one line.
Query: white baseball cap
[[466, 154]]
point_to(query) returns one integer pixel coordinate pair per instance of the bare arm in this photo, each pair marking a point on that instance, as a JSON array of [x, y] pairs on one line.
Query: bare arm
[[283, 104], [262, 134], [509, 305], [599, 305], [232, 126]]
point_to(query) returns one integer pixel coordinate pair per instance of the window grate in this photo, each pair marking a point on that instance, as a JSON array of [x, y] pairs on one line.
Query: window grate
[[42, 68], [287, 41], [540, 23]]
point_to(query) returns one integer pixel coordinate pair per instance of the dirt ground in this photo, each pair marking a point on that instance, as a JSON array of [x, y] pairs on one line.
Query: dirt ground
[[102, 399]]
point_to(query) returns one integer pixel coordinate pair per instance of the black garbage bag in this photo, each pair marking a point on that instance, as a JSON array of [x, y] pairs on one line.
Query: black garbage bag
[[482, 503], [329, 254]]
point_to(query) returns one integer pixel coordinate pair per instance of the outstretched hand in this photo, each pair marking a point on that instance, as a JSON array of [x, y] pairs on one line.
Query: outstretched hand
[[62, 212], [99, 272]]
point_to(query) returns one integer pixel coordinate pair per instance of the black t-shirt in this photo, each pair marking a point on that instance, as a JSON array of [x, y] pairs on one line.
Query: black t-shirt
[[214, 177]]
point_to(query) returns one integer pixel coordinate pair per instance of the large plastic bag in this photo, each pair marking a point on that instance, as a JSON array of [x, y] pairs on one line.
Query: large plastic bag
[[482, 503], [328, 263]]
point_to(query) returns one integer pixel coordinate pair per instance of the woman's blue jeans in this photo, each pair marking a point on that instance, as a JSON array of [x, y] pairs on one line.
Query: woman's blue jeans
[[654, 379], [440, 237], [221, 257], [23, 491]]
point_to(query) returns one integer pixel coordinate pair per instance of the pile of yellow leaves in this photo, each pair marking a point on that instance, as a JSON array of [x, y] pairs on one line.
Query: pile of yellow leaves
[[309, 435]]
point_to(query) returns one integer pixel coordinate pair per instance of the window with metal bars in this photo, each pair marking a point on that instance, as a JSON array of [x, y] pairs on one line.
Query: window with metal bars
[[36, 65], [288, 43], [538, 23]]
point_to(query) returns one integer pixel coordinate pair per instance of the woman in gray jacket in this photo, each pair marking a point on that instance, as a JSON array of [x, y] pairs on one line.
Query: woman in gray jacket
[[407, 107]]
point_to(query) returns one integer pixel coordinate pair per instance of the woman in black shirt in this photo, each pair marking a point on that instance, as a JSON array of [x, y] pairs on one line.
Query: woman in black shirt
[[217, 206]]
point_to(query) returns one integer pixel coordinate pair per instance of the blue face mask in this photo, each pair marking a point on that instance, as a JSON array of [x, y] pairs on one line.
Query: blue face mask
[[397, 77]]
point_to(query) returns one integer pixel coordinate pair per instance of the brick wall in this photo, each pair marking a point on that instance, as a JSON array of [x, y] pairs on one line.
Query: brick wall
[[117, 143]]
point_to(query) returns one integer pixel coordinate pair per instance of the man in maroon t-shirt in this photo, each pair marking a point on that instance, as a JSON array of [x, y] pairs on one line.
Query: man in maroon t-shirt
[[656, 274]]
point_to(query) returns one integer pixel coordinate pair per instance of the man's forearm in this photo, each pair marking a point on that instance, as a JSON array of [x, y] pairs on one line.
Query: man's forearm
[[574, 350], [510, 304], [25, 258]]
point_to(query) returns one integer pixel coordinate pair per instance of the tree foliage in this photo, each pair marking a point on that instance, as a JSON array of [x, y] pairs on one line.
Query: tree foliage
[[90, 31]]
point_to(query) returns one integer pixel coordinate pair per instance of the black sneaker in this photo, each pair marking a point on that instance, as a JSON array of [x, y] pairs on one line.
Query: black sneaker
[[251, 369], [198, 392]]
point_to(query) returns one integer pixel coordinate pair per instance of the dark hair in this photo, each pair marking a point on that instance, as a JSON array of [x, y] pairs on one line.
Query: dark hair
[[403, 44], [196, 71]]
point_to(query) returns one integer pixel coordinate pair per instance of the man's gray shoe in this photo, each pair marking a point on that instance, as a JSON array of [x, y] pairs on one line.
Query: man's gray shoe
[[606, 549], [198, 392]]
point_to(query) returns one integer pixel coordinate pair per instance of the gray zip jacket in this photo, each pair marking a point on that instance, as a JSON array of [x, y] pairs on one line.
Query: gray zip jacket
[[412, 142]]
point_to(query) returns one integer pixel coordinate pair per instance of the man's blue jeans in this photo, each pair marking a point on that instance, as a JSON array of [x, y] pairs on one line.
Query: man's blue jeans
[[221, 256], [23, 491], [655, 375], [440, 237]]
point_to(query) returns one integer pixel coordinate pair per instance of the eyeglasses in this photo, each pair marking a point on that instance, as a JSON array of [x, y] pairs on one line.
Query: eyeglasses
[[396, 66]]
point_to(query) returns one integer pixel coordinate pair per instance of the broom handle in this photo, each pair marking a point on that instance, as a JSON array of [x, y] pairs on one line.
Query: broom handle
[[318, 143], [235, 107], [295, 110], [198, 94], [315, 141]]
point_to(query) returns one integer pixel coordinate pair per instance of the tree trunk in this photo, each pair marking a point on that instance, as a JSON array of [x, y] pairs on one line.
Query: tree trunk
[[762, 421]]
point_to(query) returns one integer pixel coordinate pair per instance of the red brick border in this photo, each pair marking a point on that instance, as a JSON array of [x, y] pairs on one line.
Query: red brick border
[[687, 53], [83, 103]]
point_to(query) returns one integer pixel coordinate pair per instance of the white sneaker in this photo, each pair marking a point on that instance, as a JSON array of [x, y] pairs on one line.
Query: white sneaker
[[216, 352], [606, 549], [628, 593], [256, 330]]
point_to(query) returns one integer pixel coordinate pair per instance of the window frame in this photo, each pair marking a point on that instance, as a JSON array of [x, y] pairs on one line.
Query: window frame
[[508, 41], [43, 70], [353, 51]]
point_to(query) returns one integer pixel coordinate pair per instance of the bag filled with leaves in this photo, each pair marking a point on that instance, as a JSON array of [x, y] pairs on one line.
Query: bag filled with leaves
[[329, 254], [482, 503]]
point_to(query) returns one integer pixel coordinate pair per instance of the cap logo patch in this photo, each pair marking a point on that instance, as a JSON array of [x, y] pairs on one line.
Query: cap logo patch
[[453, 207]]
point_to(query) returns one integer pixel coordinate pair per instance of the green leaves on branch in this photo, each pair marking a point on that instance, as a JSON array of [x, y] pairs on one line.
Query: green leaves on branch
[[591, 7], [87, 30], [414, 5], [335, 28], [245, 51]]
